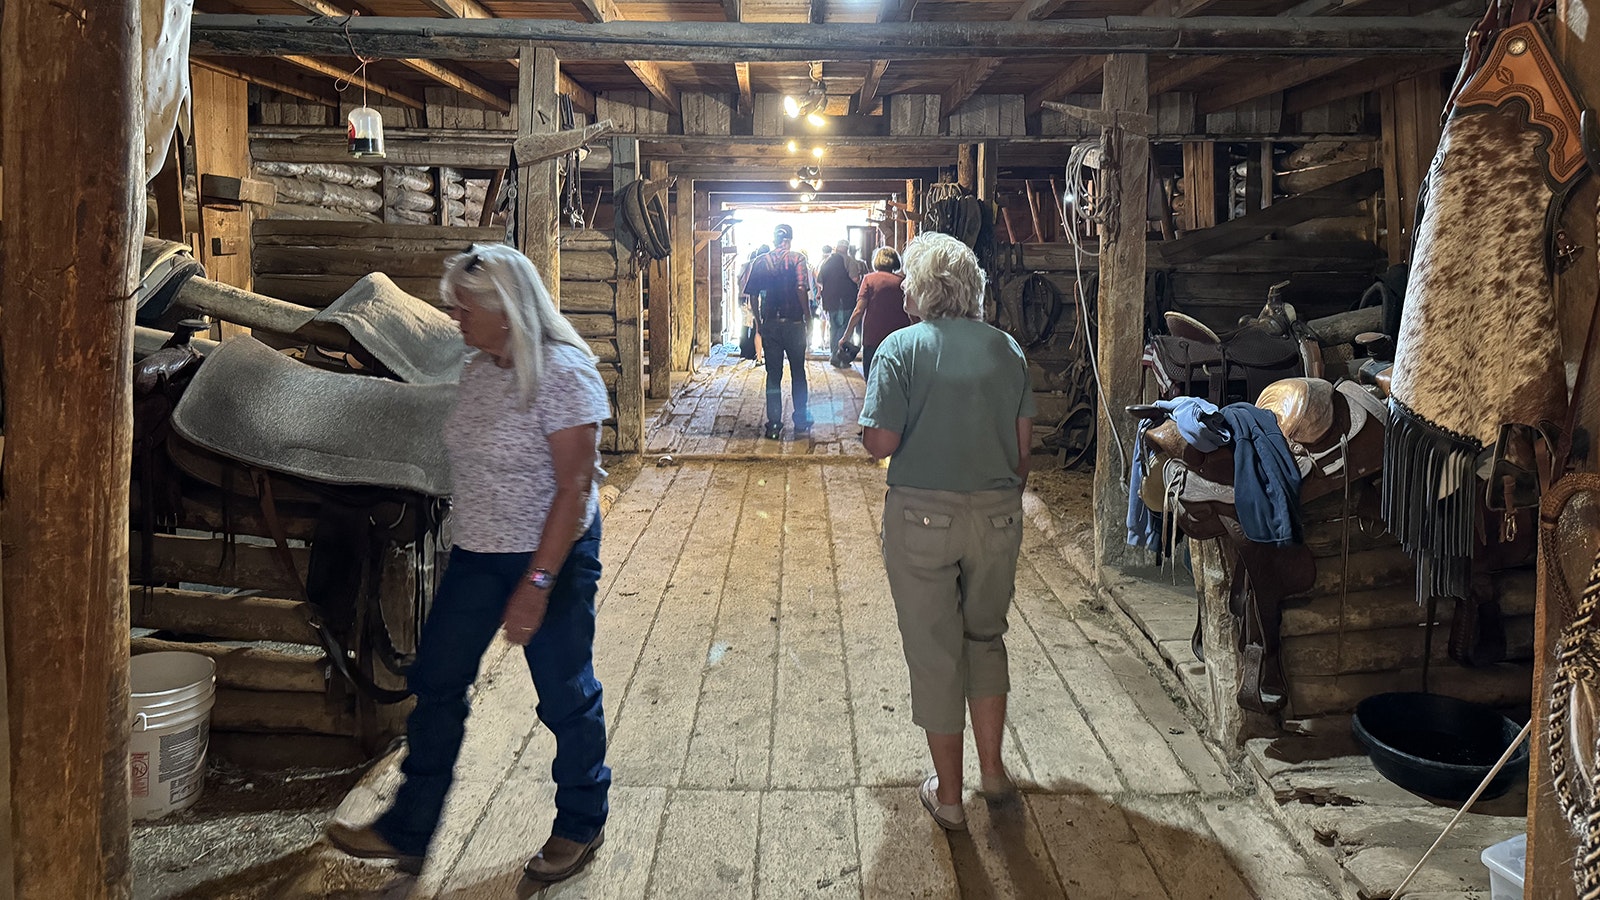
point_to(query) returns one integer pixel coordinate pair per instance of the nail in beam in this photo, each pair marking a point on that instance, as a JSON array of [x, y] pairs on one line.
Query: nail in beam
[[74, 202]]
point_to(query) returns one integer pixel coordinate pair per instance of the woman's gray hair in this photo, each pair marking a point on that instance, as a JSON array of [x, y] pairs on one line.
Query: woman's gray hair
[[943, 278], [500, 279]]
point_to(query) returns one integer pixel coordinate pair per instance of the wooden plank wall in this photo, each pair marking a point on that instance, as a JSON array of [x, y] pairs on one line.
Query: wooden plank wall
[[222, 147], [1411, 133], [910, 115]]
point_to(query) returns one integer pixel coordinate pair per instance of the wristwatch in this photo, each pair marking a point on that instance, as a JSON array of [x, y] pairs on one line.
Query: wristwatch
[[542, 579]]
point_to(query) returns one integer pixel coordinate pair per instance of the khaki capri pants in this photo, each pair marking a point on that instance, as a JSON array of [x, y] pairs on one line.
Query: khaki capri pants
[[951, 558]]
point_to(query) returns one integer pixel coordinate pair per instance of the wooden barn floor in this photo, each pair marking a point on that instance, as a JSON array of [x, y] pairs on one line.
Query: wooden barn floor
[[761, 740], [721, 409]]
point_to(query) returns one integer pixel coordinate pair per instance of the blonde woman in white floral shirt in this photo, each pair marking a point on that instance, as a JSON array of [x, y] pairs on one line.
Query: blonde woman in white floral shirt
[[524, 452]]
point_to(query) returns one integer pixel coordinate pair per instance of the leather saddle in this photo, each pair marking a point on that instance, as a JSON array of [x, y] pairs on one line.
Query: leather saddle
[[360, 455], [1192, 360], [1336, 436]]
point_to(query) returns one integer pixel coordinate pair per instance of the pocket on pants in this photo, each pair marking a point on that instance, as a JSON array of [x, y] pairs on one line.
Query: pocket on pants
[[925, 536], [1005, 532]]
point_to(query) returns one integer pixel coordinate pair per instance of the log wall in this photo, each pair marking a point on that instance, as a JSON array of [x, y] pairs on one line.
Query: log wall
[[1359, 631]]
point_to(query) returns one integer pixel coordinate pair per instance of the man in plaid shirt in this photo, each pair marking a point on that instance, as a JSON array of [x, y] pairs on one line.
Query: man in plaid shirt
[[780, 283]]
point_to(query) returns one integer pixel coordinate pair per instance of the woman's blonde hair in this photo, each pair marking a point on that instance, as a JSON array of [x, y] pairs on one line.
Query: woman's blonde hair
[[500, 279], [943, 278], [886, 259]]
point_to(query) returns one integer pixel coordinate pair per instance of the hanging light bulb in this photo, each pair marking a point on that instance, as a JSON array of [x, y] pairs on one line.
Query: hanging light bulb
[[817, 185], [807, 198], [816, 119], [817, 152], [794, 183], [805, 208], [793, 146], [791, 107]]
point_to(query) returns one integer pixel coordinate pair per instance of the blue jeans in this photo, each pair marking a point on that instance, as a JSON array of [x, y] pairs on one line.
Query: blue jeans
[[780, 339], [837, 320], [466, 613]]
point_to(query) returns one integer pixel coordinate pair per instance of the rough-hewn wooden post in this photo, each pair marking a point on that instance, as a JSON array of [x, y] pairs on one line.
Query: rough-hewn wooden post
[[684, 302], [71, 145], [661, 308], [538, 194], [1121, 302], [967, 167], [988, 166], [630, 308], [913, 208], [702, 277]]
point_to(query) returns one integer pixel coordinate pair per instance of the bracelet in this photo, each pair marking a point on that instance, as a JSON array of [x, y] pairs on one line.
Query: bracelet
[[542, 579]]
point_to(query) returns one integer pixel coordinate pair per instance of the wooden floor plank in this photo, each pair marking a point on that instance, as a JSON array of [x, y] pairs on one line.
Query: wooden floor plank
[[903, 853], [812, 745], [708, 846], [1095, 853], [656, 715], [1185, 852], [732, 739], [808, 846]]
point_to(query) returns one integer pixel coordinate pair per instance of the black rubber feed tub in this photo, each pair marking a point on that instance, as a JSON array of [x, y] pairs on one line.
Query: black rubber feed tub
[[1439, 746]]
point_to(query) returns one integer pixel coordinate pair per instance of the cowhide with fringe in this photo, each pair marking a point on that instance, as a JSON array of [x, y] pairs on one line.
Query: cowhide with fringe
[[1478, 340]]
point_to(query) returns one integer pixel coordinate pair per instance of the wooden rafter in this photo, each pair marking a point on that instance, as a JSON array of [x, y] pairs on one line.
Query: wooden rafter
[[1340, 85], [360, 81], [649, 74], [285, 82], [868, 97], [437, 71], [1083, 70], [1279, 78], [728, 42], [1184, 72], [741, 72], [819, 12], [979, 70], [460, 9]]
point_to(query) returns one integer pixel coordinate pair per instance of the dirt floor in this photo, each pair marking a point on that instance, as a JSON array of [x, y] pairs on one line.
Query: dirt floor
[[760, 735]]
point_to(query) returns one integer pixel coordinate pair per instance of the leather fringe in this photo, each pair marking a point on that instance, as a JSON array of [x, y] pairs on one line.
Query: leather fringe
[[1430, 500]]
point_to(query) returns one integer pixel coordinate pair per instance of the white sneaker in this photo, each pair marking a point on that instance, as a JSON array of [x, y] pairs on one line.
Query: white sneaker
[[950, 816]]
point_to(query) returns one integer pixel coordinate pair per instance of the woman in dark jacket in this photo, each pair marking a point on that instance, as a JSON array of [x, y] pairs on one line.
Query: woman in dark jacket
[[880, 306]]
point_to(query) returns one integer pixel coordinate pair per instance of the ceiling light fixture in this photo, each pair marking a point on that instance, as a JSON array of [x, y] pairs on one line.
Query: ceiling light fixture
[[812, 104], [817, 152], [794, 183], [793, 146]]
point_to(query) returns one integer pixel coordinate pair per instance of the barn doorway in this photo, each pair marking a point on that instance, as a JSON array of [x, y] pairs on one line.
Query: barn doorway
[[722, 408]]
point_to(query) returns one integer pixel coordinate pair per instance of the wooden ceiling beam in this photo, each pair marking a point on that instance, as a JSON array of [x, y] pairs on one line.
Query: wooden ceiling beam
[[460, 9], [286, 83], [360, 81], [605, 12], [582, 97], [1280, 78], [741, 73], [868, 98], [818, 13], [437, 71], [1342, 84], [976, 73], [1081, 71], [728, 42], [656, 82]]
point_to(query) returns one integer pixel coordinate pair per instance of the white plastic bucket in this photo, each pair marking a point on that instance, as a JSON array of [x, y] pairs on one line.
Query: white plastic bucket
[[173, 693]]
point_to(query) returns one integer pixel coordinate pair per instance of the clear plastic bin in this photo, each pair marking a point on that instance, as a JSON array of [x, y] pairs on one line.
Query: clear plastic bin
[[1506, 861]]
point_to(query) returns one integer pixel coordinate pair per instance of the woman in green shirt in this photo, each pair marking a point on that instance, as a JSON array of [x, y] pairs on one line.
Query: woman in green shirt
[[950, 404]]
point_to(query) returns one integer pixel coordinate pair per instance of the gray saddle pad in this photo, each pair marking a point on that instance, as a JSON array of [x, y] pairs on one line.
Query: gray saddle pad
[[416, 341], [252, 404]]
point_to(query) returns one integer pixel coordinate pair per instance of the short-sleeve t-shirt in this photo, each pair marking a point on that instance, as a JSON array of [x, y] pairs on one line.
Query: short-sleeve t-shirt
[[953, 389], [504, 476]]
